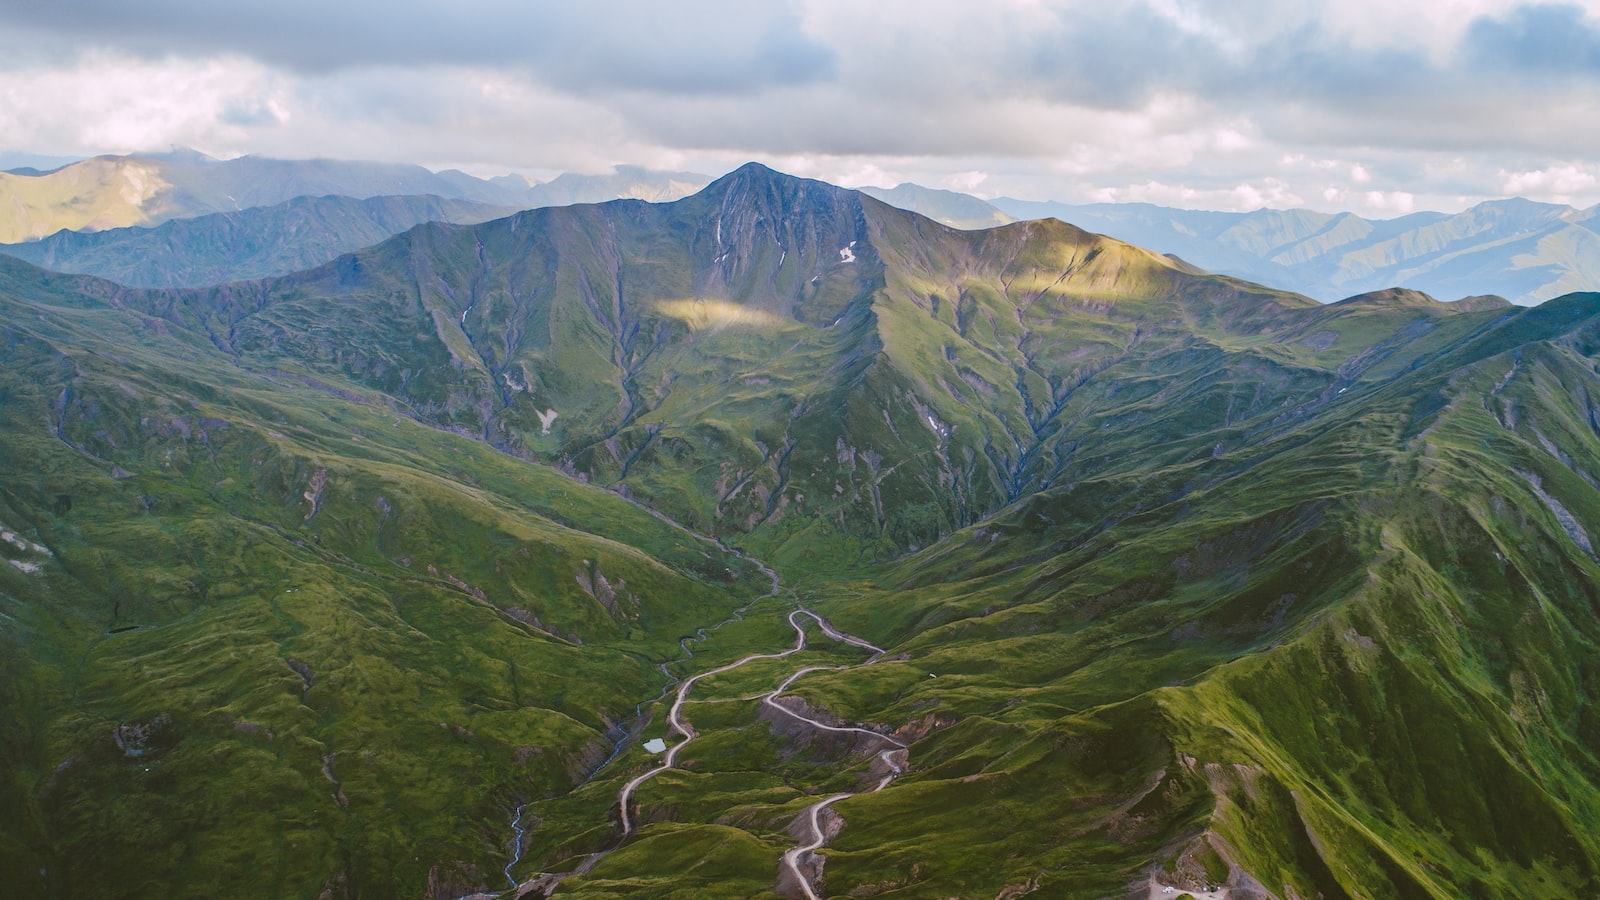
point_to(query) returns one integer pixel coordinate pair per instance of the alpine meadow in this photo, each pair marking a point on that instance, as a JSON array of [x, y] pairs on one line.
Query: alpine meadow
[[1013, 501]]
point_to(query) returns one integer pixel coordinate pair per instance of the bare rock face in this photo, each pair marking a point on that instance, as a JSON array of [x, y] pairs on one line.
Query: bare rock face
[[145, 738], [448, 881]]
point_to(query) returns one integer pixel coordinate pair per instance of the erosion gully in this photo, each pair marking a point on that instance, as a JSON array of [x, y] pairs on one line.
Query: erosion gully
[[794, 861]]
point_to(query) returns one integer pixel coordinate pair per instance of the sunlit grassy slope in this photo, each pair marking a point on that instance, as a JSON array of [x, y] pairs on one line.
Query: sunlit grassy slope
[[1175, 572]]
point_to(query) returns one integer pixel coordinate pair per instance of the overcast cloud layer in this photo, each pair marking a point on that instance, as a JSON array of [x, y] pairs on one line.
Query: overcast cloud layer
[[1377, 106]]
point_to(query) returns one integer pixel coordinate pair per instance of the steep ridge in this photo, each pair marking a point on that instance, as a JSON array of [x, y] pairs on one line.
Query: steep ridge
[[1351, 659], [747, 358], [1360, 641]]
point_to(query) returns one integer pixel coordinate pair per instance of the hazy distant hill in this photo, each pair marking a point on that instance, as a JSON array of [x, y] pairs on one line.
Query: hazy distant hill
[[146, 189], [251, 243], [15, 160], [143, 189], [947, 207], [1520, 249], [622, 183]]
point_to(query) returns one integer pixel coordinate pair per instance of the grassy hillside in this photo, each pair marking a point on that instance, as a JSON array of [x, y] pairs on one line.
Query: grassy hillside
[[311, 587], [1349, 657], [264, 635], [772, 357], [94, 194]]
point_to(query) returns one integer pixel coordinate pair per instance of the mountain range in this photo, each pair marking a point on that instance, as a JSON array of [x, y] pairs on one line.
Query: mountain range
[[951, 208], [1525, 251], [192, 250], [1519, 249], [252, 243], [146, 189], [366, 580]]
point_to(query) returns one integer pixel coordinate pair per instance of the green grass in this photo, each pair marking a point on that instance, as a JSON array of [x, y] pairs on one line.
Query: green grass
[[1193, 593]]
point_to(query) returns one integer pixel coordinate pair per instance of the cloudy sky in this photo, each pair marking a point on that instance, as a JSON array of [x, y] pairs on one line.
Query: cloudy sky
[[1376, 106]]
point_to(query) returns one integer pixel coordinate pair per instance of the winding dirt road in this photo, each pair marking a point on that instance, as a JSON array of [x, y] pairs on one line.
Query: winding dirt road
[[811, 815], [675, 714], [893, 756]]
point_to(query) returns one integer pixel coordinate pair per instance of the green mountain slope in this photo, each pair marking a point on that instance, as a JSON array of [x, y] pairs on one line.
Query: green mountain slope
[[251, 243], [747, 359], [1348, 657], [1177, 577], [1350, 654], [264, 635]]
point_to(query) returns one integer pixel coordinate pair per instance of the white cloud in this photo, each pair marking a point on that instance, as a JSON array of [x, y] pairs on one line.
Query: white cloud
[[1555, 184], [856, 174], [1241, 197], [964, 181], [115, 103], [1400, 202], [1435, 25], [1356, 105]]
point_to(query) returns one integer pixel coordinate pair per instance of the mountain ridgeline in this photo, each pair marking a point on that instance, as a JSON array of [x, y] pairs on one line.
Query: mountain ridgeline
[[250, 243], [1526, 251], [772, 357], [1215, 584], [109, 192]]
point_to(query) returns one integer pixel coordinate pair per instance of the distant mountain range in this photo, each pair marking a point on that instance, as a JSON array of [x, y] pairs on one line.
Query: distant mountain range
[[951, 208], [183, 219], [269, 240], [1525, 251], [147, 189], [623, 183], [22, 162]]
